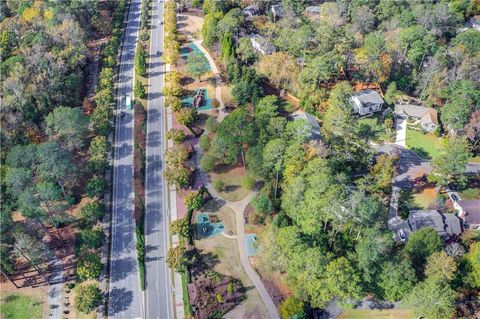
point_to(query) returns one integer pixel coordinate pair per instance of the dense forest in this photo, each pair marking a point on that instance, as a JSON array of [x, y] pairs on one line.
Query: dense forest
[[54, 133], [324, 203]]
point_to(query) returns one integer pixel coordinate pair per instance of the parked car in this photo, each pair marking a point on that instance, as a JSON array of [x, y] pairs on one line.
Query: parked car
[[402, 235]]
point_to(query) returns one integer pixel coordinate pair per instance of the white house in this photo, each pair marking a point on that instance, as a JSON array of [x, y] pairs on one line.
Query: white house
[[262, 45], [425, 116], [366, 102]]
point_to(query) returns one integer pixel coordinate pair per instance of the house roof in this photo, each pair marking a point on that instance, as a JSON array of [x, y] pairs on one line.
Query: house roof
[[277, 9], [425, 114], [263, 43], [472, 210], [312, 120], [367, 97], [313, 9], [445, 224], [253, 9]]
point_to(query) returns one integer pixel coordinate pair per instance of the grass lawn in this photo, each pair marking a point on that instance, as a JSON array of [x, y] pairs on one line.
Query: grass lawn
[[232, 178], [470, 193], [426, 145], [19, 306], [423, 199], [475, 159], [376, 314]]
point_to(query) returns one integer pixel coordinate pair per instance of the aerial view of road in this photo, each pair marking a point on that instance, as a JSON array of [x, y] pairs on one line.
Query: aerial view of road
[[125, 299], [158, 289]]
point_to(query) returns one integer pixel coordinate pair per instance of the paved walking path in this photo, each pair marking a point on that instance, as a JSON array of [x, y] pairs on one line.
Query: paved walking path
[[239, 207]]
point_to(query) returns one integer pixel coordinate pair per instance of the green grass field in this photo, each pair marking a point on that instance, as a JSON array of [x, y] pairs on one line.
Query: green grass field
[[426, 145], [18, 306], [376, 314], [470, 193]]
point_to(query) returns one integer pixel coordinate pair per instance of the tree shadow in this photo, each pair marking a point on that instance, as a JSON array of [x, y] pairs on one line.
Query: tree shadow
[[120, 300]]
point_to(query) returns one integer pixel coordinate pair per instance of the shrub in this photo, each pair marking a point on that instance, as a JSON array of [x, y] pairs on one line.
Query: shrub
[[215, 103], [180, 227], [204, 142], [89, 267], [96, 187], [207, 163], [218, 185], [230, 288], [292, 308], [88, 298], [92, 238], [262, 203], [194, 200], [176, 258], [139, 90], [219, 298], [173, 102], [93, 211], [177, 136], [248, 182], [211, 124]]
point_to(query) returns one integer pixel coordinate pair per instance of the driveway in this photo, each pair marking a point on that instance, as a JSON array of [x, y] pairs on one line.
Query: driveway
[[401, 130]]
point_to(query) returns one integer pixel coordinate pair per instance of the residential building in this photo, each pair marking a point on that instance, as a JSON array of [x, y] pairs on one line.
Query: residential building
[[262, 45], [312, 121], [312, 10], [446, 225], [469, 212], [426, 117], [251, 11], [366, 102], [474, 22]]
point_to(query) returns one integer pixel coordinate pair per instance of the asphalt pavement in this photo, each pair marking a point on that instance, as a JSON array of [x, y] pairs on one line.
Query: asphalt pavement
[[125, 298], [158, 287]]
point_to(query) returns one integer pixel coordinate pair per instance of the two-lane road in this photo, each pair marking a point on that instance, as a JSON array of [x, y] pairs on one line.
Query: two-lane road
[[158, 286], [125, 298]]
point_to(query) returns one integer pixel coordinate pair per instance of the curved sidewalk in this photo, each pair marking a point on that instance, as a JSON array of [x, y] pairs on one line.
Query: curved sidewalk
[[239, 208]]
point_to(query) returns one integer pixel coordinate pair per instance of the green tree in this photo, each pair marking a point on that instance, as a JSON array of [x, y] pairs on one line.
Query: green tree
[[139, 90], [87, 298], [68, 126], [420, 245], [473, 260], [462, 96], [177, 258], [441, 265], [273, 158], [245, 51], [93, 211], [432, 298], [209, 28], [262, 203], [180, 227], [292, 308], [197, 65], [96, 187], [89, 267], [449, 165], [178, 136], [187, 117], [218, 185], [397, 279], [140, 60], [207, 163], [211, 124], [342, 281], [194, 200], [227, 49], [232, 22], [204, 142]]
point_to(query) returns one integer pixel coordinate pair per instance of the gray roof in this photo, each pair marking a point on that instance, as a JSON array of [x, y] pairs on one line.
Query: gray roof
[[367, 97], [264, 44], [312, 120], [277, 9], [252, 9], [425, 114], [472, 210], [446, 225], [313, 9]]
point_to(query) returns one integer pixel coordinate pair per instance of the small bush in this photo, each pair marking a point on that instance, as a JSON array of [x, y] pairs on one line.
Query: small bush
[[218, 185], [89, 267], [207, 163], [230, 288], [139, 90], [211, 124], [180, 227], [88, 298], [204, 142], [248, 182], [194, 200], [262, 203], [93, 211], [219, 298], [92, 238], [96, 187], [177, 136]]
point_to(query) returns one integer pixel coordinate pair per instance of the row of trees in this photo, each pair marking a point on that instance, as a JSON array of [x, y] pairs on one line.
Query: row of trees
[[170, 44], [59, 151]]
